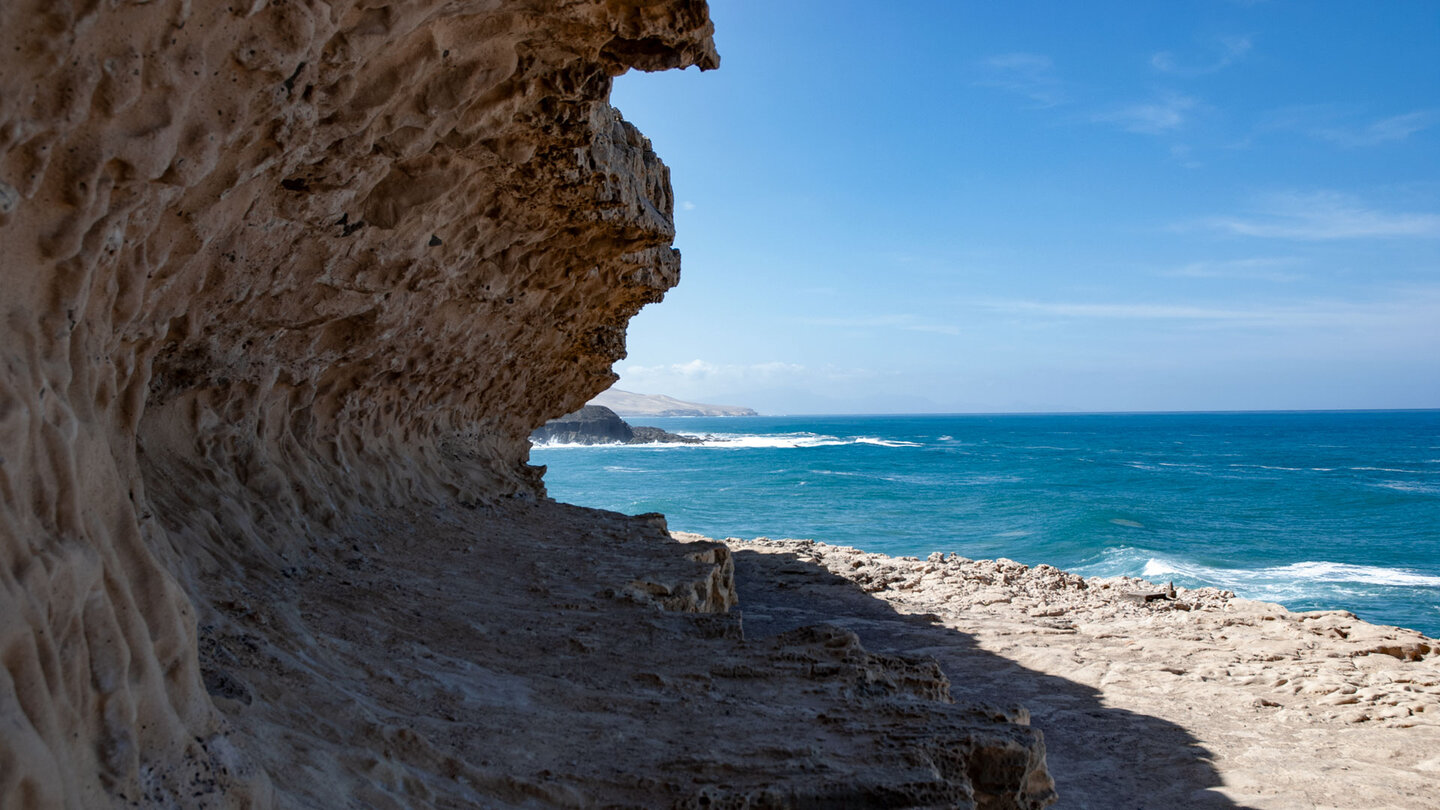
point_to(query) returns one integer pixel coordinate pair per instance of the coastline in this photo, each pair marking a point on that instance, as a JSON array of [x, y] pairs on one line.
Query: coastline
[[1288, 709], [1315, 513]]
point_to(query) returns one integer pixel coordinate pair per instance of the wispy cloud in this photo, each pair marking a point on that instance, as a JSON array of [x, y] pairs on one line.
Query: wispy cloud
[[1386, 130], [1166, 114], [1414, 305], [1030, 75], [687, 205], [1349, 127], [1184, 155], [1324, 215], [701, 378], [701, 369], [1229, 51], [907, 323], [1254, 269]]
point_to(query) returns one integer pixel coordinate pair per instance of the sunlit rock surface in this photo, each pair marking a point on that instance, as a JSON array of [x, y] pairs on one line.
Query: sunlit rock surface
[[287, 285]]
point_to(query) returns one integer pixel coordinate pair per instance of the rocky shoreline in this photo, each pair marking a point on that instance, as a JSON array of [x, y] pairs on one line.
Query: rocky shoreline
[[289, 285], [1209, 700]]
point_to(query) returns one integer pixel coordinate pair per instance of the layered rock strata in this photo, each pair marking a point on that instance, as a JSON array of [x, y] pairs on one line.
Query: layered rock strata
[[283, 277]]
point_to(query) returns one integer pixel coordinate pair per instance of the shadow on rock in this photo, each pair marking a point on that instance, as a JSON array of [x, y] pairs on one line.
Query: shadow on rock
[[1099, 756]]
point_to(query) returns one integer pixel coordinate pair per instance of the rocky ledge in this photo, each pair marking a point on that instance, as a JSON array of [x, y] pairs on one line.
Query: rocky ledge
[[1200, 700]]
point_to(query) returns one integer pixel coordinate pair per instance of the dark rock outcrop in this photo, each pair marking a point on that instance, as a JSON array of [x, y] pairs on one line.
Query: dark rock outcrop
[[591, 424], [596, 424], [654, 435]]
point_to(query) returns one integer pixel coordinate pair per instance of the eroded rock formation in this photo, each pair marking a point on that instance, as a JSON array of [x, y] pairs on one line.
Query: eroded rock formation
[[262, 262], [279, 277]]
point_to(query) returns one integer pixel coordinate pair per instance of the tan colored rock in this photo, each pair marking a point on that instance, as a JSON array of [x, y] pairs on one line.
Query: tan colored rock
[[265, 263], [287, 284], [1205, 700]]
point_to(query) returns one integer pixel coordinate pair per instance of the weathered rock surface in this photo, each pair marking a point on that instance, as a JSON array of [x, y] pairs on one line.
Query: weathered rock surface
[[596, 424], [287, 284], [542, 655], [1205, 700]]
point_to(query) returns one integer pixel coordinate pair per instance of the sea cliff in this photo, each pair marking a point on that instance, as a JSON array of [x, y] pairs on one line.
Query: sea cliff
[[287, 287]]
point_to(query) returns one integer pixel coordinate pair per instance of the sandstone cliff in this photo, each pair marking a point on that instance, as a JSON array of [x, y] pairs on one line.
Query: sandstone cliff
[[263, 262], [281, 277]]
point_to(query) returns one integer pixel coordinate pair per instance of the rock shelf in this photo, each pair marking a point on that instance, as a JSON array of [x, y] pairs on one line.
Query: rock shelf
[[1207, 700]]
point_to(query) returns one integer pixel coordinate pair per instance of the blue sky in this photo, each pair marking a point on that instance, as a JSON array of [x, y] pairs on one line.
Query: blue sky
[[1020, 206]]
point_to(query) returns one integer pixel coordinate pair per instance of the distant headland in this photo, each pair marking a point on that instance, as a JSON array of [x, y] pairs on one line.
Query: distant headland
[[597, 424], [629, 404]]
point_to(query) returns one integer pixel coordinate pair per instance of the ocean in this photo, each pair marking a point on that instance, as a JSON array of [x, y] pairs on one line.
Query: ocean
[[1313, 510]]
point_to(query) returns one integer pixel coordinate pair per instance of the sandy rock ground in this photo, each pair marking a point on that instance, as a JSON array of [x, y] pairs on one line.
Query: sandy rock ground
[[1205, 700], [542, 655]]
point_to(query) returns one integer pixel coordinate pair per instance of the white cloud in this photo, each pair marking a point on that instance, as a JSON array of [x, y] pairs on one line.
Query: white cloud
[[1184, 155], [702, 370], [1230, 50], [1163, 115], [1412, 305], [1254, 269], [1030, 75], [1386, 130], [702, 379], [1346, 127], [1324, 215], [687, 205]]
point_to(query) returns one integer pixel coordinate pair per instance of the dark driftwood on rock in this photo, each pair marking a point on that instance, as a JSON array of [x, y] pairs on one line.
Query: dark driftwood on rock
[[1151, 596]]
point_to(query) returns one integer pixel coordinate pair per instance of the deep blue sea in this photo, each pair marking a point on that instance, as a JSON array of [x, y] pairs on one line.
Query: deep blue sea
[[1314, 510]]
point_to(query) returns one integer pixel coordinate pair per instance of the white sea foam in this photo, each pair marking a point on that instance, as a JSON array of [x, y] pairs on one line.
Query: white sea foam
[[739, 441], [886, 442], [1290, 575], [1410, 486], [780, 441], [553, 445], [1130, 523]]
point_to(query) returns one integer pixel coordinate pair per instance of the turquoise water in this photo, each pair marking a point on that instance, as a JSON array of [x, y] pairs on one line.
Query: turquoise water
[[1311, 510]]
